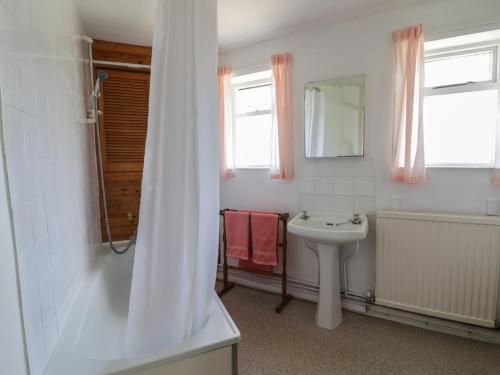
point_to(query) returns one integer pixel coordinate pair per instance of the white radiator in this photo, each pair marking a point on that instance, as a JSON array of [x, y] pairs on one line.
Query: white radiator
[[441, 265]]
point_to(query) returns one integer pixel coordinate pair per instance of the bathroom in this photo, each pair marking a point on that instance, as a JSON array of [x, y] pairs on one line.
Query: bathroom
[[412, 289]]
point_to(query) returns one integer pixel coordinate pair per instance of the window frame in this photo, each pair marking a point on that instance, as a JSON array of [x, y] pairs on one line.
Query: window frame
[[492, 84], [248, 85]]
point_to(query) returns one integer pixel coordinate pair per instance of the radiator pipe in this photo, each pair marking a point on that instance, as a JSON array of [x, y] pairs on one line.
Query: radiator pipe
[[347, 293], [344, 265]]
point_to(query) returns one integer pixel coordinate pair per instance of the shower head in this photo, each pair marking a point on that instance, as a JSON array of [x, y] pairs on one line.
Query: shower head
[[101, 76]]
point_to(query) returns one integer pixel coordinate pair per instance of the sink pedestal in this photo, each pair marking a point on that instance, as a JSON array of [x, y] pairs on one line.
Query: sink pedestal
[[324, 234], [329, 310]]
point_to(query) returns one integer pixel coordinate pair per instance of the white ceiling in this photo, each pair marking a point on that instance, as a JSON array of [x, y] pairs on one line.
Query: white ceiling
[[240, 21]]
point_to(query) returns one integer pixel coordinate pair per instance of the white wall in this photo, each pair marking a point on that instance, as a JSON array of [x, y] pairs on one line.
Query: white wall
[[358, 46], [50, 163]]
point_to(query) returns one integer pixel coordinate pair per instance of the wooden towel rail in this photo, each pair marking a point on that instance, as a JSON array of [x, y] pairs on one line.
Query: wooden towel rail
[[285, 297]]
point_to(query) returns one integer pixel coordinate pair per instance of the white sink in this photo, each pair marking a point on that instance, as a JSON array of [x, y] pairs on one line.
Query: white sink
[[329, 229], [328, 232]]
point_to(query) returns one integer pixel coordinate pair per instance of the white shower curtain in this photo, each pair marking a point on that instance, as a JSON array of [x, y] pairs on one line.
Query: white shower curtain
[[176, 252], [314, 122]]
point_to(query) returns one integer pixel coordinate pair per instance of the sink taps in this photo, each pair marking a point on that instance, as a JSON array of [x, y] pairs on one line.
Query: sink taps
[[356, 219], [304, 215]]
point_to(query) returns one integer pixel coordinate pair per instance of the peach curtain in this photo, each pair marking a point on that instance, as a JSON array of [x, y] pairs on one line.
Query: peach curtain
[[408, 163], [282, 133], [225, 120]]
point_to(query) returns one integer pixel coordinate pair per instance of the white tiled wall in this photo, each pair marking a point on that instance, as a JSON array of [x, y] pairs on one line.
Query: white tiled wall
[[337, 185], [50, 162]]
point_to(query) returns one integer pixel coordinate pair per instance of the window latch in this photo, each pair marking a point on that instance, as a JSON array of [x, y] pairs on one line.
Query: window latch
[[453, 85]]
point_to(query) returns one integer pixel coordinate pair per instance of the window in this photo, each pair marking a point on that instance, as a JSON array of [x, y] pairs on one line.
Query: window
[[461, 107], [252, 122]]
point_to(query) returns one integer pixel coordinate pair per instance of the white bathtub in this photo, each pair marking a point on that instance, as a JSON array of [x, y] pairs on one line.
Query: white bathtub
[[93, 340]]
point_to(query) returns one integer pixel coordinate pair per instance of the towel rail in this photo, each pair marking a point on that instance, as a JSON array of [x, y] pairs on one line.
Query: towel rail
[[285, 297]]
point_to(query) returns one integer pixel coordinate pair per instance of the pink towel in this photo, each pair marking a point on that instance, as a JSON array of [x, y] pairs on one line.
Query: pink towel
[[264, 229], [237, 234]]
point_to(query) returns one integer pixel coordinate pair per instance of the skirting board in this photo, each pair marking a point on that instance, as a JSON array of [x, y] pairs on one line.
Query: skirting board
[[309, 292]]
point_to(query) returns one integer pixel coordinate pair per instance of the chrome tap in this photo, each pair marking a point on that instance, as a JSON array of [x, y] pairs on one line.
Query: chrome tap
[[356, 219], [304, 215]]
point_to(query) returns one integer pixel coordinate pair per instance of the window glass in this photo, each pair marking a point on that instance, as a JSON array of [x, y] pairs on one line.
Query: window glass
[[459, 69], [461, 107], [253, 99], [460, 129], [252, 141], [252, 120], [252, 77]]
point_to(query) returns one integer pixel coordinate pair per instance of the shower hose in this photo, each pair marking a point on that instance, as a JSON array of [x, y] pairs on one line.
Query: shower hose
[[132, 239]]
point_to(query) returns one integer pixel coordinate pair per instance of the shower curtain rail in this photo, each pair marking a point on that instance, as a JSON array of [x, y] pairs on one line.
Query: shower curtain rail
[[227, 286]]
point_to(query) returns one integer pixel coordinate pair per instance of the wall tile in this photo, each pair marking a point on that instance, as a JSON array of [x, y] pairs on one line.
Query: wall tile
[[305, 185], [51, 181], [395, 202], [365, 167], [343, 185], [364, 186], [324, 203], [339, 185], [343, 168], [22, 12], [343, 203], [307, 202], [364, 205], [324, 185], [7, 19], [9, 5], [323, 168], [40, 12]]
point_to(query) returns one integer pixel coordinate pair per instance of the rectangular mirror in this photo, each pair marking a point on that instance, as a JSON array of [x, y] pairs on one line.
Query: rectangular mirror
[[334, 120]]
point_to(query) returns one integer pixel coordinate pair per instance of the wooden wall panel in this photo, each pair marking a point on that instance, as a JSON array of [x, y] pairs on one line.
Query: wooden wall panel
[[124, 104], [120, 52]]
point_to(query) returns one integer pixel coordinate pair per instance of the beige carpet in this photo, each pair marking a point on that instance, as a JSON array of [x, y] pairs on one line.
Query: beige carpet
[[291, 343]]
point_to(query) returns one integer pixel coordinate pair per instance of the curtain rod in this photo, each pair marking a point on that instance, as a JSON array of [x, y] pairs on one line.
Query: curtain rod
[[129, 65]]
